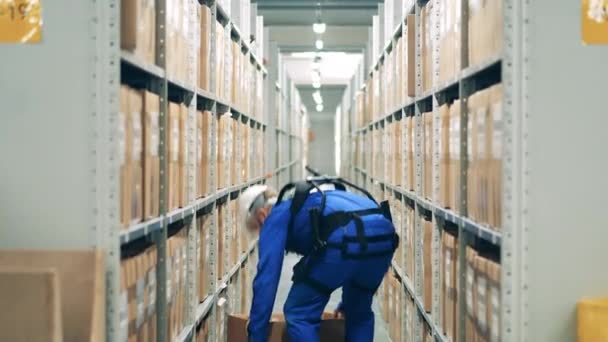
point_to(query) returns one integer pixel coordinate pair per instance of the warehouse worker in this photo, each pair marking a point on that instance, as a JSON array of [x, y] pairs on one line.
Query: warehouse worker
[[347, 241]]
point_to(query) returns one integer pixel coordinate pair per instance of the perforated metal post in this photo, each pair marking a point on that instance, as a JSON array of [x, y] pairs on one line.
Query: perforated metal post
[[192, 152], [213, 227], [160, 237], [436, 242], [418, 233], [107, 13]]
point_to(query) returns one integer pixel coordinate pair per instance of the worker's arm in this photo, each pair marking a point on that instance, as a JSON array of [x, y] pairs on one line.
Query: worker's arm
[[271, 252]]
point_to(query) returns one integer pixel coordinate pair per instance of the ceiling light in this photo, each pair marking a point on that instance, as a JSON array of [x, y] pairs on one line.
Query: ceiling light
[[319, 27], [319, 108], [316, 85], [316, 76], [316, 65], [317, 97], [319, 44]]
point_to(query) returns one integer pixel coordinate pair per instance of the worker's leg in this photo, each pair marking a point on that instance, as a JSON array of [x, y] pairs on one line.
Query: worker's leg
[[309, 295], [357, 296]]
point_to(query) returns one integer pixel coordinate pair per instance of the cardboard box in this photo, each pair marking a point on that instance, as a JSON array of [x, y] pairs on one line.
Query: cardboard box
[[485, 24], [471, 295], [151, 137], [482, 311], [427, 149], [331, 329], [32, 299], [205, 48], [135, 155], [494, 301], [444, 155], [123, 150], [410, 54], [449, 275], [150, 256], [138, 28], [409, 152], [219, 60], [495, 148], [428, 265], [221, 242], [410, 243], [83, 306], [173, 144], [183, 157], [454, 168]]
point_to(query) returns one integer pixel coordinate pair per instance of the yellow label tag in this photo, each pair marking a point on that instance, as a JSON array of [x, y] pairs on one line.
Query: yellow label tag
[[594, 21], [20, 21]]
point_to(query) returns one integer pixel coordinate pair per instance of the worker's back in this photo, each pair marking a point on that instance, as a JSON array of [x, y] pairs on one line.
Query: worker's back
[[301, 241]]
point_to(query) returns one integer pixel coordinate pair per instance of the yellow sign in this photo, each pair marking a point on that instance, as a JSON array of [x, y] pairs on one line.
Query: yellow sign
[[594, 21], [20, 21]]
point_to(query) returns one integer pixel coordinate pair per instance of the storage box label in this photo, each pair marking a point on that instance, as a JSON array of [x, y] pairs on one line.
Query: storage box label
[[20, 21]]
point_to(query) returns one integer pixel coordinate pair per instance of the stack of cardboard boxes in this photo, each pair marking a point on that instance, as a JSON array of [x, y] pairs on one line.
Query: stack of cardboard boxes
[[203, 256], [205, 48], [178, 31], [203, 152], [485, 30], [427, 159], [176, 282], [485, 156], [449, 39], [449, 287], [427, 262], [427, 47], [482, 293], [453, 182], [139, 138], [409, 153], [138, 28], [137, 299], [176, 156], [408, 242]]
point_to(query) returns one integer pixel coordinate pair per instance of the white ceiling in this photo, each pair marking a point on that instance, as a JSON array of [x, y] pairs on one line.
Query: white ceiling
[[337, 68]]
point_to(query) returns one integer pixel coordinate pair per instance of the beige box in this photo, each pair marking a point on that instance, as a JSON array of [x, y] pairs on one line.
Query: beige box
[[205, 48], [449, 275], [410, 55], [219, 60], [409, 153], [428, 154], [454, 155], [495, 149], [206, 152], [151, 155], [173, 144], [481, 313], [135, 155], [444, 155], [33, 297], [123, 150], [471, 295], [81, 282], [494, 301], [183, 157], [138, 27], [428, 265], [221, 243]]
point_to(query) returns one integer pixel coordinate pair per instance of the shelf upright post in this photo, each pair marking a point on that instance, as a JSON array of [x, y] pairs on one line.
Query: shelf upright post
[[192, 132], [465, 89], [418, 233], [213, 227], [436, 312], [160, 237]]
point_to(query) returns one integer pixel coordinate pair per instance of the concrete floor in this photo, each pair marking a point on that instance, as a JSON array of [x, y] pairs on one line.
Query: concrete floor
[[380, 331]]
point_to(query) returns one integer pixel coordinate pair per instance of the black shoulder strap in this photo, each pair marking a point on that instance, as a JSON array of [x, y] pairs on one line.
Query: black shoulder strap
[[302, 189]]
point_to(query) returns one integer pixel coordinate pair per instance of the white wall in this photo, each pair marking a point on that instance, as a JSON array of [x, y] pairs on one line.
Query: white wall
[[321, 151]]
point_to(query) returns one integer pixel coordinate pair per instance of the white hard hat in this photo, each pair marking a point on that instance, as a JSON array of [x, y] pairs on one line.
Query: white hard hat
[[247, 198]]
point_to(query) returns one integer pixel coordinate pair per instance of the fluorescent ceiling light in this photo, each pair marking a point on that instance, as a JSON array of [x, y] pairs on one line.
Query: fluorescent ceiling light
[[317, 97], [319, 44], [319, 108], [319, 27], [316, 85], [316, 76]]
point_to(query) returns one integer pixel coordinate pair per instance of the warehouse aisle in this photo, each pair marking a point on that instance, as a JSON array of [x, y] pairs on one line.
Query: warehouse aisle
[[381, 332]]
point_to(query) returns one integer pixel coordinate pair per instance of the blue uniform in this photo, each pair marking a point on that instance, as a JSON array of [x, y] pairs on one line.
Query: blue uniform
[[358, 277]]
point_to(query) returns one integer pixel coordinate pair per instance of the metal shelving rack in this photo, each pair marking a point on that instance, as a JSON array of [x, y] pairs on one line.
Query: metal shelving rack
[[75, 200], [542, 147]]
